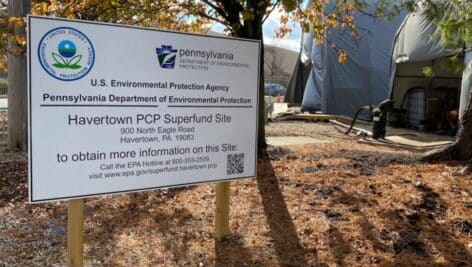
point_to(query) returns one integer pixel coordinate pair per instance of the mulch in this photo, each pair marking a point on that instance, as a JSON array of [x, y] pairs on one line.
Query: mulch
[[333, 204]]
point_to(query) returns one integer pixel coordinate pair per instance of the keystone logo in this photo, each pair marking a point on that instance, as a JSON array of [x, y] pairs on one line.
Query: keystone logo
[[166, 56]]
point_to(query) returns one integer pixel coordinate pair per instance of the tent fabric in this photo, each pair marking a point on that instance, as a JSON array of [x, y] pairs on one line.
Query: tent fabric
[[363, 80], [414, 42], [306, 46], [296, 86], [466, 85]]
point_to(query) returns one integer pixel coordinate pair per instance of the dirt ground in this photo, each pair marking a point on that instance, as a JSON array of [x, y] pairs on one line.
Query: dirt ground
[[340, 203]]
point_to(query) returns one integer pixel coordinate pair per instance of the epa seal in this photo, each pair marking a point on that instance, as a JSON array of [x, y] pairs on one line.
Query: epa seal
[[66, 53]]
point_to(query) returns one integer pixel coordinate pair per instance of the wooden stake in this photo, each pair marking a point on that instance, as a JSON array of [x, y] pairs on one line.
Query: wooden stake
[[75, 233], [222, 210]]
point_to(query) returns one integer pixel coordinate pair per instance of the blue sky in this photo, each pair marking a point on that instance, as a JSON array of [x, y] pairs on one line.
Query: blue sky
[[291, 41]]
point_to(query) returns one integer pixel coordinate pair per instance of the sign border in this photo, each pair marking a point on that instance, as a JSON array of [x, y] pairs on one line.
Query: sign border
[[29, 105]]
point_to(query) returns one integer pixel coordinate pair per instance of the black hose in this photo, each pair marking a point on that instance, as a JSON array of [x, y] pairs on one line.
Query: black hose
[[367, 108]]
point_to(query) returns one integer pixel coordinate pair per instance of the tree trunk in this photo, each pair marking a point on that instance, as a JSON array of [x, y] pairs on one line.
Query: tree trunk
[[17, 102], [252, 29], [461, 149], [262, 114]]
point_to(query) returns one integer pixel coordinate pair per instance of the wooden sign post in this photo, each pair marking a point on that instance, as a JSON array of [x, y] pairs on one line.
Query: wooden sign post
[[75, 233], [222, 210]]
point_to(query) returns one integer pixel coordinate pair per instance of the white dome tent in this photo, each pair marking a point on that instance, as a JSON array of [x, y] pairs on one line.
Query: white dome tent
[[420, 101], [341, 89]]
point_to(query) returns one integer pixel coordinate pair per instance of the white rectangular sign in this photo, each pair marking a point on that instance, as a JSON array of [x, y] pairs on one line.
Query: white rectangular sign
[[115, 109]]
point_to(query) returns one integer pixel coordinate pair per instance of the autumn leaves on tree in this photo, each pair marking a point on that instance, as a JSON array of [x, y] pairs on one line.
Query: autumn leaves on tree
[[244, 19]]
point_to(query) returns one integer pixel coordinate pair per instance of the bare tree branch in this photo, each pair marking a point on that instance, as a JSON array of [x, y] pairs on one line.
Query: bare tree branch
[[218, 10], [274, 6], [205, 15]]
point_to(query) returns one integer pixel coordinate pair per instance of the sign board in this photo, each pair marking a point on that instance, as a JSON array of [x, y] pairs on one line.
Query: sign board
[[115, 109]]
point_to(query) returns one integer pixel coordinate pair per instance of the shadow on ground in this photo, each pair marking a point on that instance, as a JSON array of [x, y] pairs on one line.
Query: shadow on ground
[[288, 247]]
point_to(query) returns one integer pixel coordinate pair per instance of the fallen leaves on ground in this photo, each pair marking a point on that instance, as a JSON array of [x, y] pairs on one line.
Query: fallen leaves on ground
[[339, 203]]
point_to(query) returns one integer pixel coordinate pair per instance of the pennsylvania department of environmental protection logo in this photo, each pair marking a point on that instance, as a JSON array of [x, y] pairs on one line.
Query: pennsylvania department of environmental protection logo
[[66, 53], [166, 56]]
